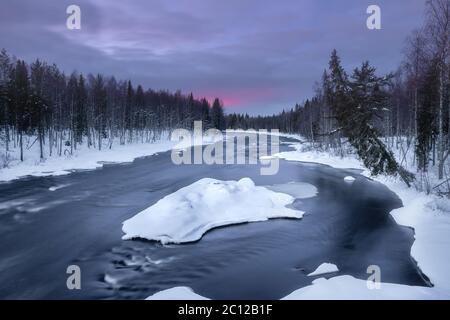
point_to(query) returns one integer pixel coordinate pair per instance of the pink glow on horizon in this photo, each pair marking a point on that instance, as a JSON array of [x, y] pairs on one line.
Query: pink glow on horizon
[[238, 98]]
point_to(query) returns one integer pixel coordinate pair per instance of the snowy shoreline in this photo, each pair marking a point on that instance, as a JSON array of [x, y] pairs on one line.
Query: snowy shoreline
[[84, 158]]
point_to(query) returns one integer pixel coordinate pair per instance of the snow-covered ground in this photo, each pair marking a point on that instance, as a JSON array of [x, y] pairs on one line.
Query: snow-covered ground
[[207, 204], [83, 158]]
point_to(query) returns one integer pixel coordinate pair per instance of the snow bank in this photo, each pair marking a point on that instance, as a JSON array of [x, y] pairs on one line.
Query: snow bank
[[184, 216], [319, 157], [428, 215], [324, 268], [349, 288], [176, 293], [84, 158]]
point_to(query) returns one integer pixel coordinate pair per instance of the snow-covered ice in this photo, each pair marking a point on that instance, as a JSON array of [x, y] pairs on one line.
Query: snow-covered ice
[[185, 215], [299, 190], [323, 269], [176, 293], [349, 179], [349, 288]]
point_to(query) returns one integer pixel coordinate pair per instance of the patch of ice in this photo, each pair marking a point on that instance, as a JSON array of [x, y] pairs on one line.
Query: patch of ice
[[110, 280], [324, 268], [299, 190], [176, 293], [54, 188], [349, 179], [184, 216]]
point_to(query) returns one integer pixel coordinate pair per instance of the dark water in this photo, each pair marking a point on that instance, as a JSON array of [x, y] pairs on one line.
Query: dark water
[[42, 232]]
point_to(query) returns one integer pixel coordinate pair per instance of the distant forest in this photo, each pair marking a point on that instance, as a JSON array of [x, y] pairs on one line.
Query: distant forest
[[62, 111]]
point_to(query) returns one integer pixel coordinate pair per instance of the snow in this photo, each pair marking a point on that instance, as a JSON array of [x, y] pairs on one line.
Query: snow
[[299, 190], [54, 188], [279, 134], [349, 288], [319, 157], [204, 205], [349, 179], [176, 293], [427, 214], [83, 158], [324, 268]]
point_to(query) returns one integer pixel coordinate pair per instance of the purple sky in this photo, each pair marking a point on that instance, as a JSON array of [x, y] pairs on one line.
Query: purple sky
[[258, 56]]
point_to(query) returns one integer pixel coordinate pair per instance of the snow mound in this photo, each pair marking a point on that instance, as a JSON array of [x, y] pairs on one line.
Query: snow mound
[[349, 179], [349, 288], [324, 268], [185, 215], [176, 293]]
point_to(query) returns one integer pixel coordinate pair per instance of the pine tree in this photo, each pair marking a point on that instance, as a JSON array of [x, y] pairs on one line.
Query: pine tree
[[20, 97], [217, 115], [355, 103]]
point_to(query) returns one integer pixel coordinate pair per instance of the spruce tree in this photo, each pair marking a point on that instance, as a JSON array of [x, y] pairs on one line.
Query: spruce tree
[[355, 103]]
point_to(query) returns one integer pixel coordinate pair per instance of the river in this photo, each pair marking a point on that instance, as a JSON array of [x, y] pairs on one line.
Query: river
[[43, 231]]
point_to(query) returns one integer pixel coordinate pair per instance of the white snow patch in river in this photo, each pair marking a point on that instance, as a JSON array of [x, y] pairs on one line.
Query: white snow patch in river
[[185, 215], [349, 179], [299, 190], [176, 293], [54, 188], [349, 288], [324, 268]]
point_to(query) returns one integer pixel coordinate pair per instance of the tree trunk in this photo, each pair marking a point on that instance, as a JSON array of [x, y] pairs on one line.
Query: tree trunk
[[441, 127]]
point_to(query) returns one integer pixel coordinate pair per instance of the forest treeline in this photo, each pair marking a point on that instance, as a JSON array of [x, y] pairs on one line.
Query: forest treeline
[[411, 103], [61, 111]]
